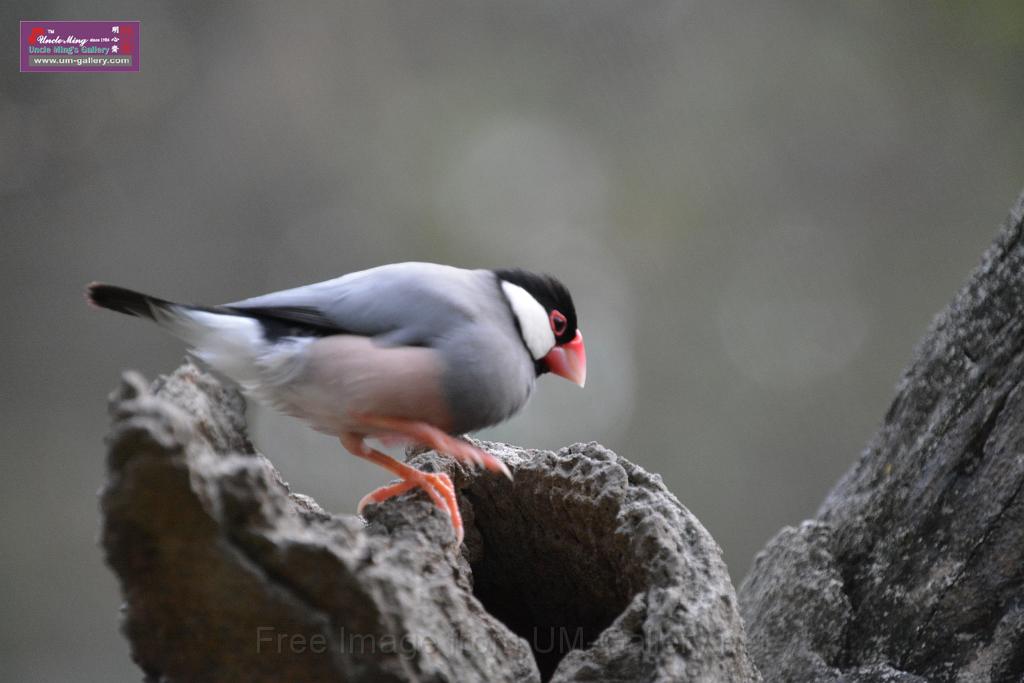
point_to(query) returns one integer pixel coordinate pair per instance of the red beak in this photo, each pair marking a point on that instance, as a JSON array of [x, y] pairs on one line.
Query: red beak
[[569, 360]]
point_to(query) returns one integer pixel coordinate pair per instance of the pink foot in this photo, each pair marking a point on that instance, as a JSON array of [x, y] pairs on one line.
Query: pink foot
[[437, 485], [423, 433]]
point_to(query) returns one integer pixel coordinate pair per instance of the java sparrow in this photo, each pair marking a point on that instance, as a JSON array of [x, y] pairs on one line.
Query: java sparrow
[[405, 352]]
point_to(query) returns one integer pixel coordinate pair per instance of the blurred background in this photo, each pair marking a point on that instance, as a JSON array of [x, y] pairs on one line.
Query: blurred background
[[758, 209]]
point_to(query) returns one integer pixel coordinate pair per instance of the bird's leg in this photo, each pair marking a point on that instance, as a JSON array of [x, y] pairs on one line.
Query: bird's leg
[[428, 435], [437, 485]]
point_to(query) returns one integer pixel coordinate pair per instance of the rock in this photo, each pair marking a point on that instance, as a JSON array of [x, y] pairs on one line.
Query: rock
[[914, 567], [585, 567], [796, 569]]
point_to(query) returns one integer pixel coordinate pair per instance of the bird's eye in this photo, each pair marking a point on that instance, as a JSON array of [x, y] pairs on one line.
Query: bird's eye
[[558, 323]]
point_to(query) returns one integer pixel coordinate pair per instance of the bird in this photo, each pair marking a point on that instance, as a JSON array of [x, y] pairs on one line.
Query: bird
[[415, 353]]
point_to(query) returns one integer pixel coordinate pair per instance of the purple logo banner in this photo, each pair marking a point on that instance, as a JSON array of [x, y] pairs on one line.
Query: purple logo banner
[[72, 46]]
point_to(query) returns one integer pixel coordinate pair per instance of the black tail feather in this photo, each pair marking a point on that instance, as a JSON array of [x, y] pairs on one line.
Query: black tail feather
[[287, 321], [123, 300]]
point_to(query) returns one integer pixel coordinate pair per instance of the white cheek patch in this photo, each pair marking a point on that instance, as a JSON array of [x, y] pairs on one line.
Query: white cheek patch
[[533, 320]]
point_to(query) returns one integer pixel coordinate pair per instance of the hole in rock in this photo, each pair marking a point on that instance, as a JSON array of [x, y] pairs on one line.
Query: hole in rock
[[552, 569]]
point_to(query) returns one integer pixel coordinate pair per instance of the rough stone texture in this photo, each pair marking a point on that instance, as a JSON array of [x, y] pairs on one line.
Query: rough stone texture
[[600, 545], [585, 568], [913, 569]]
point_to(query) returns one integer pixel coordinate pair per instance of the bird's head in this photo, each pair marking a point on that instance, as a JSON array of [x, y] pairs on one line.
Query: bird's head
[[546, 317]]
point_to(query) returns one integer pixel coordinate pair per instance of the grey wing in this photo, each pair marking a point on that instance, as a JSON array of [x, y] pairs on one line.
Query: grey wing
[[400, 304]]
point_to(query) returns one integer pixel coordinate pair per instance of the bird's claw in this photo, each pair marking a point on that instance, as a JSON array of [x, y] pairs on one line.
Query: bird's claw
[[437, 485]]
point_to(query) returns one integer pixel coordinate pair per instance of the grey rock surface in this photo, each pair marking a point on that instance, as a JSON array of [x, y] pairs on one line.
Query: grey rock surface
[[914, 567], [584, 568]]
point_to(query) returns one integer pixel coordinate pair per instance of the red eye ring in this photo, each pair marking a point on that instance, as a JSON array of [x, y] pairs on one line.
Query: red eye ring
[[558, 323]]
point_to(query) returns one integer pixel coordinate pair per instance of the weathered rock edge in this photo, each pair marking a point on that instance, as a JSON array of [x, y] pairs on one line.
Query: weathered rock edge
[[913, 568], [227, 575]]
